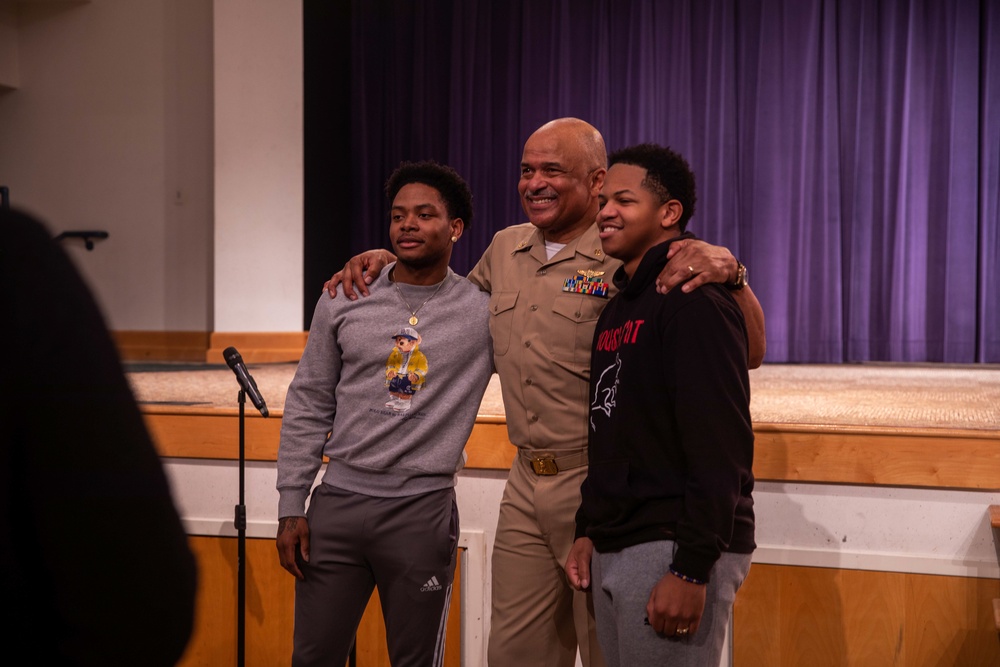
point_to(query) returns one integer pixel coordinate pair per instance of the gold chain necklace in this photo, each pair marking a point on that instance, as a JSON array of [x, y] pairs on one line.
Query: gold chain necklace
[[413, 313]]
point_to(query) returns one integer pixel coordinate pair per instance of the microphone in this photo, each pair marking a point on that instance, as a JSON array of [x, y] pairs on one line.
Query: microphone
[[235, 362]]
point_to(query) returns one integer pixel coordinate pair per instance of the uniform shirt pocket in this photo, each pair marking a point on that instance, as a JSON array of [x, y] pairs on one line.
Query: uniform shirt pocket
[[502, 320], [578, 314]]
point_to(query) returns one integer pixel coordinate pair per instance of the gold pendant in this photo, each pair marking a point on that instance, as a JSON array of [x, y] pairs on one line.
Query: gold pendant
[[413, 320]]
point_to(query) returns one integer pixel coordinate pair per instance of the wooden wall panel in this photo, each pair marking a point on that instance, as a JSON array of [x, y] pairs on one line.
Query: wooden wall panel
[[214, 639], [873, 615], [945, 458], [756, 624], [936, 458], [162, 345], [949, 621], [811, 619], [207, 347], [258, 347], [270, 599], [270, 596], [791, 616], [212, 434], [488, 446]]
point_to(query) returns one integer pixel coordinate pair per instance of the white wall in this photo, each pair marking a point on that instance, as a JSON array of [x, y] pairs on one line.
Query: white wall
[[258, 165], [91, 139], [118, 123]]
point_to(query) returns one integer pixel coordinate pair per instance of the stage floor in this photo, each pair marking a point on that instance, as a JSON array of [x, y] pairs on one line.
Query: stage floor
[[850, 395]]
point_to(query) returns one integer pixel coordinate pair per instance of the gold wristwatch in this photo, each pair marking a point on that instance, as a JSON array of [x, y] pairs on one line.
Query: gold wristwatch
[[741, 277]]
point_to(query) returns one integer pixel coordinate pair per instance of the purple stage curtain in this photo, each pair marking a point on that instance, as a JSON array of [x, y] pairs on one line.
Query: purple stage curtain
[[848, 152]]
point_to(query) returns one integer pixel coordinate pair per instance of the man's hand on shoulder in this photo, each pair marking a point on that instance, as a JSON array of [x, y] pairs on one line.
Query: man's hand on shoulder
[[359, 272], [293, 535], [692, 263]]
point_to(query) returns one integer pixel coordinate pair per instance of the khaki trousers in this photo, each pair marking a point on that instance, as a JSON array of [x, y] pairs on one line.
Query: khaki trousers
[[538, 619]]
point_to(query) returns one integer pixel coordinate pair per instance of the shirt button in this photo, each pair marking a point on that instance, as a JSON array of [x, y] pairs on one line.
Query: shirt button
[[534, 418], [542, 272], [527, 343], [528, 382], [536, 308], [577, 313]]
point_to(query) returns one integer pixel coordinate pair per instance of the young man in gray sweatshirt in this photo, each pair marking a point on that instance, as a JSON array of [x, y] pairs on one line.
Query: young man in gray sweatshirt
[[388, 388]]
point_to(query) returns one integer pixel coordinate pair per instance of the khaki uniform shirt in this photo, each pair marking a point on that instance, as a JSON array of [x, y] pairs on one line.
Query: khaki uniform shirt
[[542, 334]]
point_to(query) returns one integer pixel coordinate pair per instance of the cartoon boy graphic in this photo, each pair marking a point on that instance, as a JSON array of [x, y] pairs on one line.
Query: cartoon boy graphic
[[405, 369]]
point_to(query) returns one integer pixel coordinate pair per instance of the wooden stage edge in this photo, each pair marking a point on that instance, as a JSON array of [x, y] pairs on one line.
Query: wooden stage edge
[[896, 456]]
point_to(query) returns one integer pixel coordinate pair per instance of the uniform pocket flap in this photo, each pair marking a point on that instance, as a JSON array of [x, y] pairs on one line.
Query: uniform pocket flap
[[578, 308], [501, 302]]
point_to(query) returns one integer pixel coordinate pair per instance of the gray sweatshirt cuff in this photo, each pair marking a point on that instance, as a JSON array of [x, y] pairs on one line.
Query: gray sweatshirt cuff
[[292, 502]]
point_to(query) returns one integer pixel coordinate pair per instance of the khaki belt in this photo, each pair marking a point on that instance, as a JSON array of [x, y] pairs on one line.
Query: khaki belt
[[553, 465]]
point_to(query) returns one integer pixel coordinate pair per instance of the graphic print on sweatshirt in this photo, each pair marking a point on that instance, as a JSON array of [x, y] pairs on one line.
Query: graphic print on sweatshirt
[[405, 370], [605, 391], [610, 340]]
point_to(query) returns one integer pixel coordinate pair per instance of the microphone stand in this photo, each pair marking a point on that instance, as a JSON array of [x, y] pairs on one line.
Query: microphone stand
[[247, 386], [240, 521]]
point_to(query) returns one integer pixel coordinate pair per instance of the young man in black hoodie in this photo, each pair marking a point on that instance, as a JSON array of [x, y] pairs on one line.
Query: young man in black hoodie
[[666, 525]]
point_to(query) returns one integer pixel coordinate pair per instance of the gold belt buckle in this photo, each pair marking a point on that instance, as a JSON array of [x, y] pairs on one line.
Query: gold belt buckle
[[544, 466]]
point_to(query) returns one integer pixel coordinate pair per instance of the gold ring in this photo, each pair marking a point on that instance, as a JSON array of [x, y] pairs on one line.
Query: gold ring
[[681, 631], [691, 269]]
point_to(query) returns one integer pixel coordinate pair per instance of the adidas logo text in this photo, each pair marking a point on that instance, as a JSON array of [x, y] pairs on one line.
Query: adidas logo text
[[432, 585]]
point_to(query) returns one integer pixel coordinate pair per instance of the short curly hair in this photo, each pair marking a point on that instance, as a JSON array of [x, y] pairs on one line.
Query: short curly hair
[[453, 189], [668, 175]]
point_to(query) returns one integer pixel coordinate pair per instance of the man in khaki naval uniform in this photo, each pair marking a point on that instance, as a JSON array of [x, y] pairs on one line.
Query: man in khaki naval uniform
[[541, 337], [548, 281]]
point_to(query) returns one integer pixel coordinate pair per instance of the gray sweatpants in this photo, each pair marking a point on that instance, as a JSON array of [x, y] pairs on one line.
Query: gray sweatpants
[[622, 582], [405, 546]]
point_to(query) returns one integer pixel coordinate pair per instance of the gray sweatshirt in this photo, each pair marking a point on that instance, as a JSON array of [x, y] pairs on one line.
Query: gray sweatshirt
[[389, 430]]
